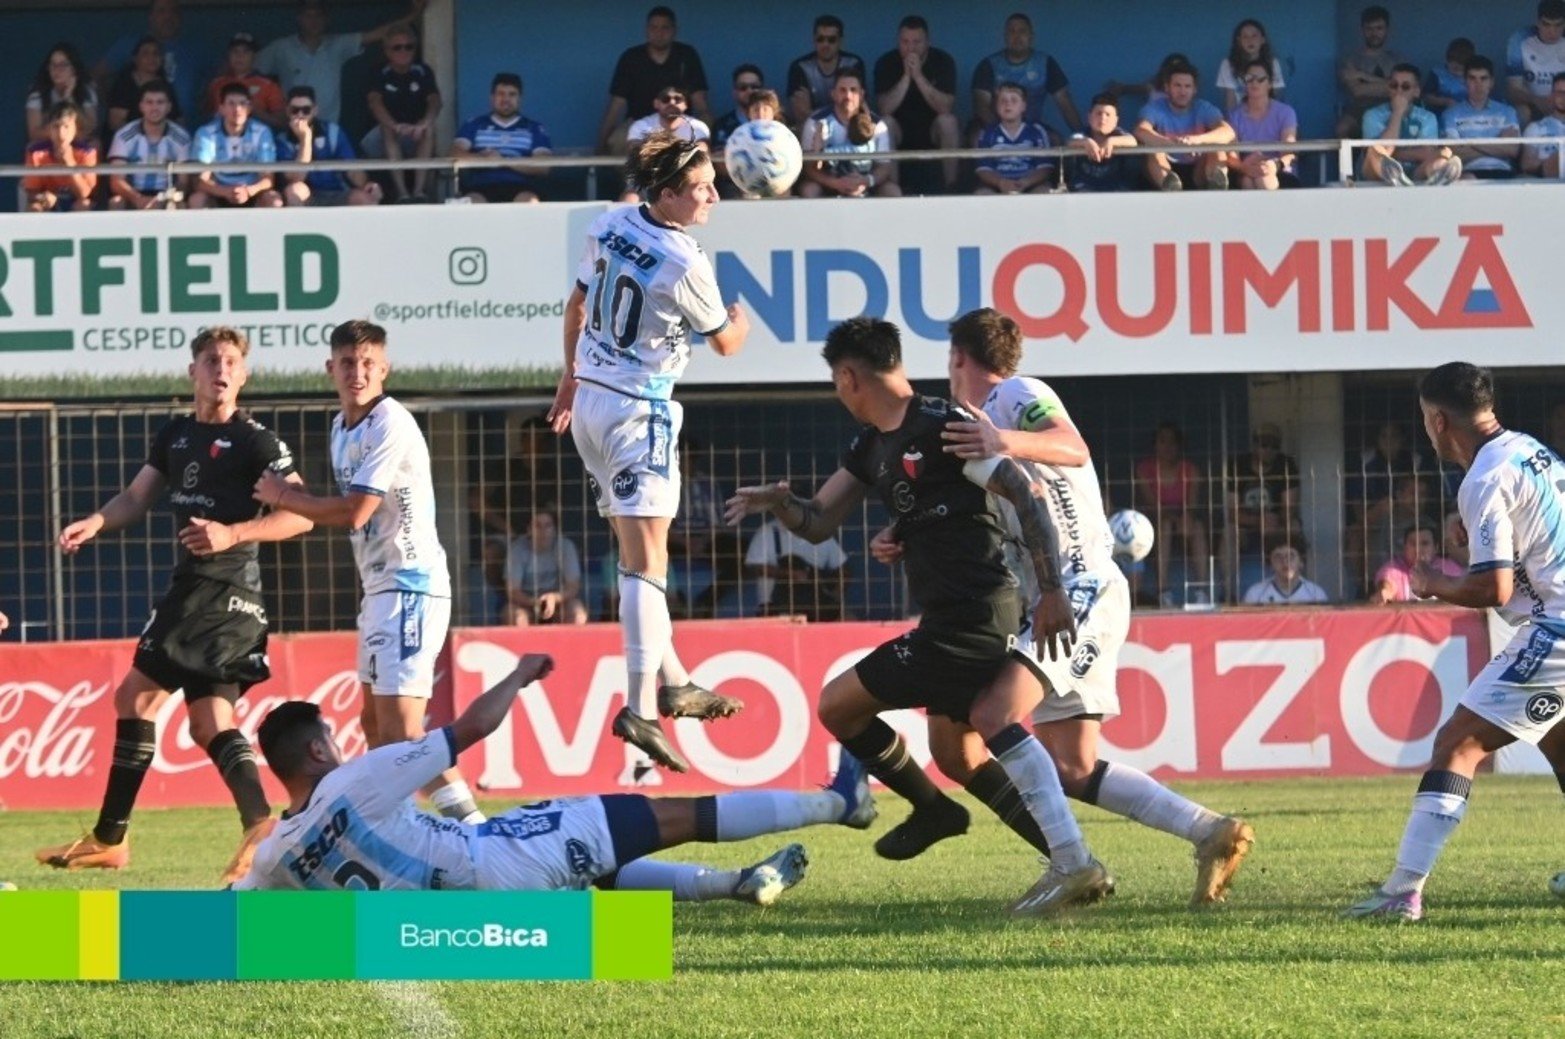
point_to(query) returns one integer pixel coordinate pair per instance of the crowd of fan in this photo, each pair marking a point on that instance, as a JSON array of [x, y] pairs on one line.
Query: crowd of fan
[[281, 102]]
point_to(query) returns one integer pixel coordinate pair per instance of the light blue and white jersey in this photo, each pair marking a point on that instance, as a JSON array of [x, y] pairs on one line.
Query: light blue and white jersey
[[1514, 509], [384, 454], [214, 146], [824, 132], [1463, 120], [1534, 61], [361, 831], [648, 287], [1074, 500], [132, 145], [1548, 126]]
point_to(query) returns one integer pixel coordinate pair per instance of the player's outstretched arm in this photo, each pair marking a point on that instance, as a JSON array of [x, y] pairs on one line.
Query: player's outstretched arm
[[125, 508], [351, 510], [814, 520], [485, 714], [1053, 623]]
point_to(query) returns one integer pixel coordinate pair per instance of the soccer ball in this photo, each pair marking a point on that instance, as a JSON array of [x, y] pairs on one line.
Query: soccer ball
[[1133, 534], [764, 158], [1557, 884]]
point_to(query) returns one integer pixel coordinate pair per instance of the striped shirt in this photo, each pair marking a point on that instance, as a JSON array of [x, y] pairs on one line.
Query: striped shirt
[[132, 145]]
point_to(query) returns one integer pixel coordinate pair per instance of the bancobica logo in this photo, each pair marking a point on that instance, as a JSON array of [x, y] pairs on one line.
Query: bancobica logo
[[1544, 707], [624, 484], [485, 936]]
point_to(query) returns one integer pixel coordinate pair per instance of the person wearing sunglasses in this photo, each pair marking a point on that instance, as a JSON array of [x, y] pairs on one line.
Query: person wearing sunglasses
[[747, 80], [404, 100], [314, 58], [308, 138], [645, 71], [1403, 118], [266, 97], [670, 111], [1262, 118], [811, 76]]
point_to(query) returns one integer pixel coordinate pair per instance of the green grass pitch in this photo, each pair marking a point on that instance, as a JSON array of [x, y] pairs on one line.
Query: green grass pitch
[[871, 948]]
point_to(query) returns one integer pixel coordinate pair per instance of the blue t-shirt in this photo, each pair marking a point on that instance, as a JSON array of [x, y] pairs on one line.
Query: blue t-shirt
[[1418, 123], [1463, 120], [330, 143], [1548, 126], [213, 145], [1442, 82], [1040, 75], [1014, 167], [1200, 117], [517, 139]]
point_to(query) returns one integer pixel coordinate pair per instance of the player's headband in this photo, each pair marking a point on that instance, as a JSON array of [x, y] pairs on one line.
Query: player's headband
[[691, 150]]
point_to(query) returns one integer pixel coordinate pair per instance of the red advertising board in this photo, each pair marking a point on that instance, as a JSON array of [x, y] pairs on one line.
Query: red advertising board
[[1244, 694]]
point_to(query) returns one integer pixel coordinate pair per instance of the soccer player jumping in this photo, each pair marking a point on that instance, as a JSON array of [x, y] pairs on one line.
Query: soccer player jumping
[[1512, 502]]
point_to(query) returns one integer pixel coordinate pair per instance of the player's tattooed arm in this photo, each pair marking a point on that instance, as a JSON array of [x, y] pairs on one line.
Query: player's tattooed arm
[[1041, 540], [814, 519]]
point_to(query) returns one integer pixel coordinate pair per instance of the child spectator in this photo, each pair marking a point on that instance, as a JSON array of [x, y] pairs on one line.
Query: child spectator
[[1287, 586], [1168, 489], [63, 145], [1249, 44], [1099, 169], [1447, 85], [1419, 544], [543, 575], [1004, 174]]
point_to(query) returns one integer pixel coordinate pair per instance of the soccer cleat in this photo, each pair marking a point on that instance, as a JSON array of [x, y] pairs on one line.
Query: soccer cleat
[[1217, 859], [692, 701], [1217, 178], [1057, 889], [1449, 172], [851, 783], [86, 852], [764, 882], [1405, 908], [239, 865], [913, 836], [648, 735], [1171, 182], [1395, 174]]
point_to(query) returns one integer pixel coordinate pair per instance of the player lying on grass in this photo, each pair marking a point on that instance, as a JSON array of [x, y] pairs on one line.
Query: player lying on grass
[[353, 824]]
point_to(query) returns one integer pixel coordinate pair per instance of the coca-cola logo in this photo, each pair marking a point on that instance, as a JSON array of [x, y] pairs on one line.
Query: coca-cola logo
[[43, 738], [337, 697]]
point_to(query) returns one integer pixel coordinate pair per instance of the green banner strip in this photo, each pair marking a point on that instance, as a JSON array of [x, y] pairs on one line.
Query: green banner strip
[[632, 935], [34, 342]]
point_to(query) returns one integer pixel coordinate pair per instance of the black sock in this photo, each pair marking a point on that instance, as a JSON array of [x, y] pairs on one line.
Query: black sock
[[1089, 791], [134, 745], [235, 762], [886, 758], [994, 788]]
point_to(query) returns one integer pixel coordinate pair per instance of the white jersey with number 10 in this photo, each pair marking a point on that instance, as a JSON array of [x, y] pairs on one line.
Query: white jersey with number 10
[[648, 286]]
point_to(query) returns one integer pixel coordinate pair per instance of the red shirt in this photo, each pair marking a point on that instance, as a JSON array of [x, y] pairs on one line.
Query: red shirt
[[41, 153]]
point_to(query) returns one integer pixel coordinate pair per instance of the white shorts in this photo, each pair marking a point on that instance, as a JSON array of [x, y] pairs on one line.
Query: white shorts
[[1522, 690], [400, 635], [549, 846], [628, 447], [1087, 683]]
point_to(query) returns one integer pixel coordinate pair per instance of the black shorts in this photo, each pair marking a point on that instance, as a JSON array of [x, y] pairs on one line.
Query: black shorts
[[944, 663], [203, 634]]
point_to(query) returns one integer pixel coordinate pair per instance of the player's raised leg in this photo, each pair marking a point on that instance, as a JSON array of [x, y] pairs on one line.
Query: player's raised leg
[[960, 754]]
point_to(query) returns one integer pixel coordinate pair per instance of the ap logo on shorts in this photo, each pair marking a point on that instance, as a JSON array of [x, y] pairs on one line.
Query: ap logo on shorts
[[1085, 656], [624, 485], [1544, 708]]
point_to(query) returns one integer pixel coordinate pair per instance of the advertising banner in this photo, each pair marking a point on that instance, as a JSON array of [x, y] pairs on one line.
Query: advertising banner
[[1323, 280], [1231, 695]]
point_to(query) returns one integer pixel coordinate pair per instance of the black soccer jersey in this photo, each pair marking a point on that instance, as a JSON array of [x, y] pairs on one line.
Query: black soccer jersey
[[950, 532], [211, 469]]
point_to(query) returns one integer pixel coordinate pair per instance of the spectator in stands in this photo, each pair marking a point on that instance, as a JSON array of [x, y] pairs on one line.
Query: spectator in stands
[[1482, 116], [847, 126], [706, 555], [1263, 502], [1533, 57], [915, 90], [1036, 72], [186, 62], [1249, 43], [149, 141], [1403, 118], [234, 137], [1261, 117], [643, 72], [1099, 169], [309, 138], [1446, 85], [1365, 74], [543, 575], [669, 113], [1183, 118], [1544, 159], [61, 77], [404, 100], [762, 105], [1412, 500], [746, 78], [1168, 490], [797, 577], [125, 95], [312, 57], [811, 77], [1001, 173], [1287, 586], [63, 145], [266, 97], [1371, 499], [1155, 87], [1419, 544], [503, 132]]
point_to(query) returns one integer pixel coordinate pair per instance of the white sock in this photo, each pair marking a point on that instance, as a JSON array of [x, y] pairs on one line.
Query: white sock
[[1132, 793], [648, 630], [455, 801], [1430, 824], [688, 881], [674, 672], [1033, 773], [751, 813]]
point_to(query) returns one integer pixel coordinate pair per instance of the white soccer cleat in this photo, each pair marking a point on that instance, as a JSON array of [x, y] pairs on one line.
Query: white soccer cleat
[[764, 882], [1057, 889]]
